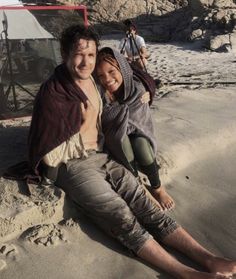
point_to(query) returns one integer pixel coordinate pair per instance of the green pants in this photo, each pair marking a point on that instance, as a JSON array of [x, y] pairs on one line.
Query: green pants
[[140, 155]]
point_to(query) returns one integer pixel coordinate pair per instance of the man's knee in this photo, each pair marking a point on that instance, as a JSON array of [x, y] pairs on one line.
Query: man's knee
[[124, 226], [120, 177]]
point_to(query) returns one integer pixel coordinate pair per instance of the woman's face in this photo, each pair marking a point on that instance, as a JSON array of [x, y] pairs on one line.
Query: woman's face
[[109, 76]]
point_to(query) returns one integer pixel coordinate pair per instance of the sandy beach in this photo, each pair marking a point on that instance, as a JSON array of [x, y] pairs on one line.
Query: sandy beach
[[43, 236]]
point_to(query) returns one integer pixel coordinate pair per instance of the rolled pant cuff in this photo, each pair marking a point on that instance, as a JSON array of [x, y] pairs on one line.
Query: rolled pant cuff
[[166, 231]]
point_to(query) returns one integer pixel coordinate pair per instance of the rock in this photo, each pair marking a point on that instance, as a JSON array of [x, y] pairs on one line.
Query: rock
[[206, 3], [224, 4], [220, 43], [196, 34], [164, 20], [218, 16], [122, 9]]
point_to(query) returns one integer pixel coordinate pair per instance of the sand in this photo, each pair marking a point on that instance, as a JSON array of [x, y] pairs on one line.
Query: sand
[[195, 120]]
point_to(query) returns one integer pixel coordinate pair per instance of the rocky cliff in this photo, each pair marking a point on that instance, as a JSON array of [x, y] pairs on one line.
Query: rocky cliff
[[212, 21]]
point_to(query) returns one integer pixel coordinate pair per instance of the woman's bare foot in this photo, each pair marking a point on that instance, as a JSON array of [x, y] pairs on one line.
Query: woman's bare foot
[[149, 194], [222, 265], [164, 199]]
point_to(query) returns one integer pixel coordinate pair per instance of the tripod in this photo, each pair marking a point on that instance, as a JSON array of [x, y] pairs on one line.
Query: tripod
[[134, 48], [12, 83]]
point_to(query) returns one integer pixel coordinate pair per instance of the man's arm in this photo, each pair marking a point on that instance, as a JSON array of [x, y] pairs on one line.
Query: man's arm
[[142, 47], [143, 52]]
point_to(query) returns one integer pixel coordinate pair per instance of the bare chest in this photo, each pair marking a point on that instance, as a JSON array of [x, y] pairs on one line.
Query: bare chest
[[92, 94]]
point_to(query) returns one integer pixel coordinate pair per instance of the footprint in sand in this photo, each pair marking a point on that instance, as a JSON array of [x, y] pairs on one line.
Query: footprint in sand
[[164, 162], [70, 223], [8, 250], [46, 234]]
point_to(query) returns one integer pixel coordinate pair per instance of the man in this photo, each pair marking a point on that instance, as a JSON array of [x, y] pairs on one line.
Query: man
[[65, 144], [133, 46]]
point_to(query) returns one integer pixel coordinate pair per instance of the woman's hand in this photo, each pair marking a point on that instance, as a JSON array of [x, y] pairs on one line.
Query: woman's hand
[[145, 98]]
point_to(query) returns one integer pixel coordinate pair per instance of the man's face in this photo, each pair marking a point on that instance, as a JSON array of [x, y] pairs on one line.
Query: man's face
[[82, 59]]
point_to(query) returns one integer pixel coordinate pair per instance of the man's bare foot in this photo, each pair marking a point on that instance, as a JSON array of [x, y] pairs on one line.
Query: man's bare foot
[[222, 265], [204, 275], [164, 199]]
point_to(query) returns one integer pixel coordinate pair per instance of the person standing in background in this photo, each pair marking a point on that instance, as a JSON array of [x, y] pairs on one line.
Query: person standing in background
[[133, 46]]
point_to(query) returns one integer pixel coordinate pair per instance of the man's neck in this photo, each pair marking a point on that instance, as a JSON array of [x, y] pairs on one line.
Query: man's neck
[[89, 89], [82, 82]]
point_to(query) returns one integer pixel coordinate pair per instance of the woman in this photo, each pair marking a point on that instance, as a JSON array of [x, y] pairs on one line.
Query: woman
[[127, 123]]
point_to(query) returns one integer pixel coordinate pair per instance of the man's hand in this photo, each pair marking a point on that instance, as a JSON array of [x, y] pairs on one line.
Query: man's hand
[[89, 116], [142, 56]]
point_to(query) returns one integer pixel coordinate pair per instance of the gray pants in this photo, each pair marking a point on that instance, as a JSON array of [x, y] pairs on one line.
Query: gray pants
[[112, 197]]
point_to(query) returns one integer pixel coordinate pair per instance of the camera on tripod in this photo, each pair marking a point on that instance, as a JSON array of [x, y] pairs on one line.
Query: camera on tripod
[[132, 45]]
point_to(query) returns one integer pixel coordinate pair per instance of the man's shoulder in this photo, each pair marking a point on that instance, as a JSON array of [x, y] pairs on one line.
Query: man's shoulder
[[46, 91], [140, 39]]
